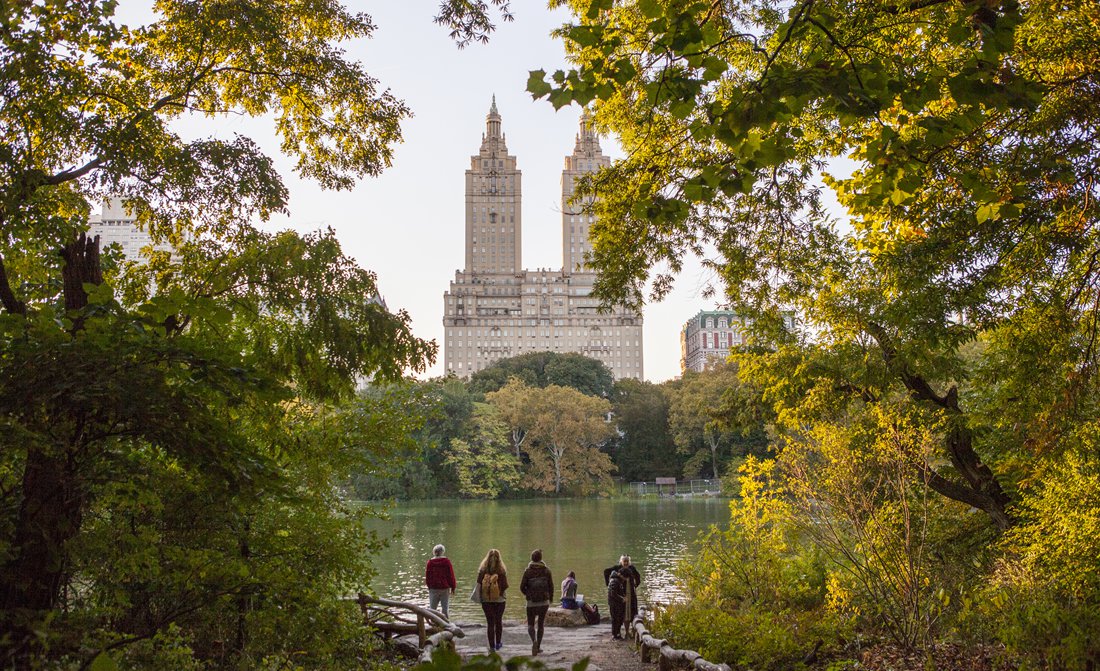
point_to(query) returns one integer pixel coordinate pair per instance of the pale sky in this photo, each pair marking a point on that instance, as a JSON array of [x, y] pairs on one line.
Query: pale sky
[[408, 224]]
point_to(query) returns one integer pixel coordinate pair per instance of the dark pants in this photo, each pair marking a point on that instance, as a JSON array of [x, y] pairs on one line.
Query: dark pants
[[494, 620], [618, 612], [536, 614]]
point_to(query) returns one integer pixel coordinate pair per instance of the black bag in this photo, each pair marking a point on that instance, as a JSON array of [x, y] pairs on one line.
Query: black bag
[[591, 613], [616, 584], [538, 588]]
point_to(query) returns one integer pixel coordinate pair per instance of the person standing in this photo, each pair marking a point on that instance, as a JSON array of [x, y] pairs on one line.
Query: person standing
[[569, 591], [622, 582], [439, 575], [492, 581], [536, 585]]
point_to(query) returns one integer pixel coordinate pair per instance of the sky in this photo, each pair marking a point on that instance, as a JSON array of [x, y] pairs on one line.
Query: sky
[[407, 225]]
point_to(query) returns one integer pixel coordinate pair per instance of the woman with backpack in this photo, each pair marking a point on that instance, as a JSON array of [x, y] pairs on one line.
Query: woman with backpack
[[492, 580], [536, 585]]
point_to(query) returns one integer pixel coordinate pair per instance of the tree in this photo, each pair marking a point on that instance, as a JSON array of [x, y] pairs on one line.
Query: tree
[[188, 364], [643, 448], [565, 430], [513, 404], [971, 210], [713, 412], [541, 369], [481, 458]]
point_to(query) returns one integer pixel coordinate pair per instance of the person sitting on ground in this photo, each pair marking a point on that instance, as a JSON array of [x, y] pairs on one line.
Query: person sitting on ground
[[569, 592]]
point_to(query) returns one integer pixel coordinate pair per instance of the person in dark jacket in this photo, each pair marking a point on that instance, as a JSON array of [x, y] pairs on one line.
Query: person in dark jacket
[[622, 582], [493, 605], [537, 586], [439, 575]]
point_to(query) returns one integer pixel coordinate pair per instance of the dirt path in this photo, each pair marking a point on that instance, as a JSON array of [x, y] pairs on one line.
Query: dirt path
[[561, 646]]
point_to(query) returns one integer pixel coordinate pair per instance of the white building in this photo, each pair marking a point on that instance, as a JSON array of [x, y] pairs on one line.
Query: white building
[[494, 308], [115, 226]]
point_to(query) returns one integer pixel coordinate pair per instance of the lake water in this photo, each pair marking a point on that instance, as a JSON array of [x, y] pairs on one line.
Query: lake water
[[585, 536]]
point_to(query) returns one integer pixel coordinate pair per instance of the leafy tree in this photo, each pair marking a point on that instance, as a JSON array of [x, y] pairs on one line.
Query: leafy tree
[[958, 290], [541, 369], [713, 414], [565, 431], [189, 369], [481, 458], [974, 134], [643, 448], [400, 467], [513, 402]]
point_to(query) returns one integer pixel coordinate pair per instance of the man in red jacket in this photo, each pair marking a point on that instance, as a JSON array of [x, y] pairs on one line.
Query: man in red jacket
[[440, 578]]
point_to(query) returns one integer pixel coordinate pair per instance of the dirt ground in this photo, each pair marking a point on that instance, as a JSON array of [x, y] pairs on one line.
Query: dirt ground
[[561, 646]]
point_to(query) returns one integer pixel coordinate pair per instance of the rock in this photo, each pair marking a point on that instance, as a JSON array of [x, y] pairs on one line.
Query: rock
[[405, 647], [560, 617]]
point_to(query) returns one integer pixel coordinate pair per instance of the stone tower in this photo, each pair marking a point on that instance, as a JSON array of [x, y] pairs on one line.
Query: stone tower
[[493, 213], [576, 218]]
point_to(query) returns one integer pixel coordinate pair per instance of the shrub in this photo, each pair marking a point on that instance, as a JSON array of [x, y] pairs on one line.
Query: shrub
[[750, 637]]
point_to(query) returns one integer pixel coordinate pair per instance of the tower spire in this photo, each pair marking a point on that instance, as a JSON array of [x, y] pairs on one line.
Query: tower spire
[[492, 120], [588, 142]]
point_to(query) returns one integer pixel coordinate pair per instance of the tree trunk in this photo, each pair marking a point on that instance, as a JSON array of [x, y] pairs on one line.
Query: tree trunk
[[50, 514], [53, 494], [244, 598], [979, 487], [557, 454]]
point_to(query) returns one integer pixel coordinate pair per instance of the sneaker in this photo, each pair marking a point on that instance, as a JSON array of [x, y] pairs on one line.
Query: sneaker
[[499, 646]]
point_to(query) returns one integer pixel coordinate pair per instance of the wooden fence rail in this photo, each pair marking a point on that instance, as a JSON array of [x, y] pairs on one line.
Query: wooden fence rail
[[668, 657], [394, 618]]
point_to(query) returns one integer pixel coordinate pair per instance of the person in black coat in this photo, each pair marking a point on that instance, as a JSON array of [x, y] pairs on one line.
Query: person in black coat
[[622, 582]]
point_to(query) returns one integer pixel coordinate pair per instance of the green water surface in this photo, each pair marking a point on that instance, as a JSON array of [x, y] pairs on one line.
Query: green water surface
[[584, 536]]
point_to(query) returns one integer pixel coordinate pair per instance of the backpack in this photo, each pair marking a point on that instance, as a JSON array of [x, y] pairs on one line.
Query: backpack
[[538, 588], [591, 613], [490, 587], [617, 583]]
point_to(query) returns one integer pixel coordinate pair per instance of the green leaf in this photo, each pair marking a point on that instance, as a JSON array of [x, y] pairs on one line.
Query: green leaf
[[103, 662], [537, 85], [988, 211], [650, 9]]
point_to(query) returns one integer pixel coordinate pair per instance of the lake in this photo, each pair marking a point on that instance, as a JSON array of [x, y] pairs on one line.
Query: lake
[[582, 535]]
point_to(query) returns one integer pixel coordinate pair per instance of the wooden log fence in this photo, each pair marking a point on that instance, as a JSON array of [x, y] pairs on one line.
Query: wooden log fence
[[394, 618], [668, 657]]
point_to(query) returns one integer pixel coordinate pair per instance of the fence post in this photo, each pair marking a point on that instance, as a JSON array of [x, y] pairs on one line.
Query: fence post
[[421, 634]]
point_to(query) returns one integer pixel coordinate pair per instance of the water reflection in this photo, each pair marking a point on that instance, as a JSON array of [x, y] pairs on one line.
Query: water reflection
[[584, 536]]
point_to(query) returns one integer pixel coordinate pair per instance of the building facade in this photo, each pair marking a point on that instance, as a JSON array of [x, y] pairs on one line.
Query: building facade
[[708, 337], [116, 226], [494, 309]]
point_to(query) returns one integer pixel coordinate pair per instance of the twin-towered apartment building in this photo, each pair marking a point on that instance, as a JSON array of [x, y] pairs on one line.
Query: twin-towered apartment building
[[496, 309]]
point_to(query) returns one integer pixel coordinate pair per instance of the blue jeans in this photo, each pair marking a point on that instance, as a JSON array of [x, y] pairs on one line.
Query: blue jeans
[[439, 599]]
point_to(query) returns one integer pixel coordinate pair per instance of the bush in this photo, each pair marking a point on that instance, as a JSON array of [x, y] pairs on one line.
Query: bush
[[1044, 602], [750, 637]]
